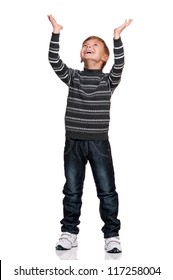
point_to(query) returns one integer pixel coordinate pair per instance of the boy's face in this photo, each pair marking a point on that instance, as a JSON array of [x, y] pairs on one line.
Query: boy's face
[[93, 50]]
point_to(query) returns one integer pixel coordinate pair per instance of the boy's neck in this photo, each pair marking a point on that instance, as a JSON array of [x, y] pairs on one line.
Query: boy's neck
[[91, 65]]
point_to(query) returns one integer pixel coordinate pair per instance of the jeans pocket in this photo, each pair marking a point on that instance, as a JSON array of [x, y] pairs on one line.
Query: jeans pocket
[[68, 146], [102, 147]]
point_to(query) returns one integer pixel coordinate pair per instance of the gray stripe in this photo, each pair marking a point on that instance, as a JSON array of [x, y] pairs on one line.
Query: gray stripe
[[95, 93], [119, 57], [91, 102], [117, 48], [88, 111], [92, 121], [96, 130], [54, 42], [55, 51]]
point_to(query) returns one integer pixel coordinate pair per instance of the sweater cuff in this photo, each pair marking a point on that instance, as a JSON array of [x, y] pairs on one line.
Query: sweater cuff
[[117, 42], [55, 36]]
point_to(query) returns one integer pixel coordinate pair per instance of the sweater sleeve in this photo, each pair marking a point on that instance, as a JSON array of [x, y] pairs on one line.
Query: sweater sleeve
[[60, 68], [117, 68]]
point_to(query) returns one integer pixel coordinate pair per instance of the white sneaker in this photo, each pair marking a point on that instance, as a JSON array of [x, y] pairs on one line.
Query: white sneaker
[[67, 241], [113, 245]]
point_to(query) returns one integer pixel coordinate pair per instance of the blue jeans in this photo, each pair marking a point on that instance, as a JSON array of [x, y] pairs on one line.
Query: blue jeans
[[76, 155]]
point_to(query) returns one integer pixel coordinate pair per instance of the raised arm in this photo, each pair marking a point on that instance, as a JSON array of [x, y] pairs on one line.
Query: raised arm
[[60, 68], [116, 71]]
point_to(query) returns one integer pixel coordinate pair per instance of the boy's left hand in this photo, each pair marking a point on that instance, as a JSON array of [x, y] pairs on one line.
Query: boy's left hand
[[56, 26], [118, 30]]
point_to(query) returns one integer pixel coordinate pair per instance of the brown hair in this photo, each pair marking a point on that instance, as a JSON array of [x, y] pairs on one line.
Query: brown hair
[[102, 41]]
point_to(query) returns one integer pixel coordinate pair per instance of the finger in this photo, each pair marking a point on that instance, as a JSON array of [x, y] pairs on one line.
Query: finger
[[50, 17], [128, 22]]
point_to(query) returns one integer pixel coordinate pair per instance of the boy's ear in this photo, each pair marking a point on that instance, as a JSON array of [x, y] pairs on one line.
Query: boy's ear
[[105, 57]]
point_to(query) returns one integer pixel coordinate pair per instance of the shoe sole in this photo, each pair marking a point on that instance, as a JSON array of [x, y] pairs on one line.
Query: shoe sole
[[114, 251], [59, 247]]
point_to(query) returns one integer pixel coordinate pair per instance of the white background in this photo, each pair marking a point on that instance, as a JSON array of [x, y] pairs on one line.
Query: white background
[[32, 106]]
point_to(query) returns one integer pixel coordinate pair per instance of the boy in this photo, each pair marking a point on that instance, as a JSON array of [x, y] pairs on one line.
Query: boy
[[87, 122]]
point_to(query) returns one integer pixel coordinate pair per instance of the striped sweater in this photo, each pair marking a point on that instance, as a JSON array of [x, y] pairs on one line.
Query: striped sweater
[[87, 114]]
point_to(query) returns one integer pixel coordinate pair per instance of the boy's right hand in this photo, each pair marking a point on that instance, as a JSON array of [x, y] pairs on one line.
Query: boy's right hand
[[118, 30], [56, 27]]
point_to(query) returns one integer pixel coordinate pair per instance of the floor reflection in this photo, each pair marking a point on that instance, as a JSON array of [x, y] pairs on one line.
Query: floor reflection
[[112, 256], [72, 255], [67, 254]]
